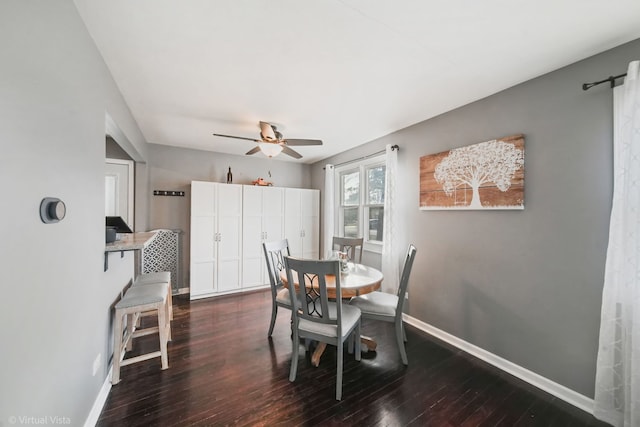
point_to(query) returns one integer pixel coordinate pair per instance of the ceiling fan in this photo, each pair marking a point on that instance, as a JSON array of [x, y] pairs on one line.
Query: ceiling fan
[[271, 142]]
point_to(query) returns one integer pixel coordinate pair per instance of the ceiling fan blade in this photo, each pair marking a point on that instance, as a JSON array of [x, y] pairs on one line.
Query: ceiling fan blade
[[302, 141], [254, 150], [237, 137], [267, 132], [290, 152]]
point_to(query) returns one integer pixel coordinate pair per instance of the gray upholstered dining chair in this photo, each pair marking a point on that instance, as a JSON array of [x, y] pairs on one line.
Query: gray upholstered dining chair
[[274, 253], [387, 307], [321, 319], [349, 245]]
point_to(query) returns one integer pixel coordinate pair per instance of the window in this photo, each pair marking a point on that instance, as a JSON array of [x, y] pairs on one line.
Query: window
[[360, 201]]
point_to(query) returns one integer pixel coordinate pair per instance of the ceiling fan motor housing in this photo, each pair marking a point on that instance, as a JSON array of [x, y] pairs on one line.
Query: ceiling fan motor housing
[[275, 143]]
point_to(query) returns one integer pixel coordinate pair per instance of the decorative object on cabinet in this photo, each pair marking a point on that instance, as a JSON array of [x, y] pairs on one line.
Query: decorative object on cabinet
[[168, 193], [229, 176], [52, 210], [261, 182], [487, 175]]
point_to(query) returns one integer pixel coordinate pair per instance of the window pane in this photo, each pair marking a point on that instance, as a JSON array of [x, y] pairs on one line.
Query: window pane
[[376, 220], [351, 188], [350, 222], [375, 185]]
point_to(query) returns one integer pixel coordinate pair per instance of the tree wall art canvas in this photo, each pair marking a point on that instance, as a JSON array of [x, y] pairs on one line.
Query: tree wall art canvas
[[486, 175]]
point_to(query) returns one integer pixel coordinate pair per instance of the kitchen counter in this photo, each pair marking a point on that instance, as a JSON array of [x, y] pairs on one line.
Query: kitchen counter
[[129, 242]]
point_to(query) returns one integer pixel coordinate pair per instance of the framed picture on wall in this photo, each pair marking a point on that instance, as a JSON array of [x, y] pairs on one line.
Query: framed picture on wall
[[486, 175]]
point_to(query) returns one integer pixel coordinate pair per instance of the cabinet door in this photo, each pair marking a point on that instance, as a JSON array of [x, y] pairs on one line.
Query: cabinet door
[[273, 213], [229, 250], [252, 236], [203, 245], [292, 223], [309, 216], [203, 198], [272, 221], [263, 216]]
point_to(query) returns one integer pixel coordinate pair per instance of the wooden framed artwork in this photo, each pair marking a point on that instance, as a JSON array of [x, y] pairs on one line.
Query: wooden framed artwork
[[486, 175]]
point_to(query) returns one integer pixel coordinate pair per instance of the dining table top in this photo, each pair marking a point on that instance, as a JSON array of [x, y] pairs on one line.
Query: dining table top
[[358, 279]]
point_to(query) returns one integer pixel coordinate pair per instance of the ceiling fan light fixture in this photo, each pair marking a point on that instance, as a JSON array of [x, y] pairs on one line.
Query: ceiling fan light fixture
[[270, 150]]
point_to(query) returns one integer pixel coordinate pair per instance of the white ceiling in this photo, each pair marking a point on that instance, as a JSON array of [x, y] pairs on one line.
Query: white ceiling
[[344, 71]]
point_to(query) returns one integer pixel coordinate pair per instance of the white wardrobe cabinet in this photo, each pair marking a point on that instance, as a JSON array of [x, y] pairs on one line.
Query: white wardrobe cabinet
[[262, 221], [301, 219], [229, 223], [216, 238]]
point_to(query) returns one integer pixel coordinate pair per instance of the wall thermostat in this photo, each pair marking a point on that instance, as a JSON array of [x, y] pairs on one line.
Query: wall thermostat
[[52, 210]]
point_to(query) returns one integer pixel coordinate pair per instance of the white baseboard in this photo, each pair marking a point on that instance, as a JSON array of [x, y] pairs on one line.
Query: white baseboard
[[561, 392], [101, 399]]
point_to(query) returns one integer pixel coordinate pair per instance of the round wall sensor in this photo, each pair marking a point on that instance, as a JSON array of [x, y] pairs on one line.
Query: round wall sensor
[[52, 210]]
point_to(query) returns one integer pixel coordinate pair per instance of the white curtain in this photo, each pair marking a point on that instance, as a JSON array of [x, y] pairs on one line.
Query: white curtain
[[390, 253], [617, 394], [328, 213]]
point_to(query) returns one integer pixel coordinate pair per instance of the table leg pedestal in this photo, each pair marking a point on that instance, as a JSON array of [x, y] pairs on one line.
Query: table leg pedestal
[[368, 342], [317, 353]]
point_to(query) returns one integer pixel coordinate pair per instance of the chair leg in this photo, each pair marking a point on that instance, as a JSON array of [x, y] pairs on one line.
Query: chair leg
[[168, 315], [117, 348], [404, 333], [132, 324], [340, 354], [356, 338], [400, 340], [274, 313], [170, 302], [294, 356], [164, 335]]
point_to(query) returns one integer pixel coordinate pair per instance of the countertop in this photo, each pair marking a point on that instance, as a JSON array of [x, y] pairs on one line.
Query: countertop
[[130, 242]]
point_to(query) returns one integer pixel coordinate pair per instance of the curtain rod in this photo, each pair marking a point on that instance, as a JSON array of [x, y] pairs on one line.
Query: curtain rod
[[610, 79], [393, 148]]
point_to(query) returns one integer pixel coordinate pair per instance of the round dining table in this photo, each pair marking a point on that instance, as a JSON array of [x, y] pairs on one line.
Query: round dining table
[[357, 279]]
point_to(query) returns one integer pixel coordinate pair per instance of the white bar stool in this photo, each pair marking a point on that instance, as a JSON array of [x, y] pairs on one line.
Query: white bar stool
[[150, 297], [157, 277]]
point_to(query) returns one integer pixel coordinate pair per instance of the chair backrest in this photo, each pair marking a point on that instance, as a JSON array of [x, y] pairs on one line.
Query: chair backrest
[[404, 278], [274, 253], [349, 245], [315, 274]]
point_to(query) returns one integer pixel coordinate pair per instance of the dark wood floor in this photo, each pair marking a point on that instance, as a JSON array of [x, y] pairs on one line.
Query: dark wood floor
[[224, 371]]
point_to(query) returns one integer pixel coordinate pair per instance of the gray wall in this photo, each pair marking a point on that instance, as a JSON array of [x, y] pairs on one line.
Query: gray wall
[[524, 285], [172, 168], [114, 151], [54, 93]]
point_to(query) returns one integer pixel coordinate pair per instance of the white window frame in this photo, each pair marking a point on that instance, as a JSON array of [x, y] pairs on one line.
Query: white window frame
[[361, 166]]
